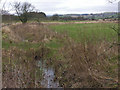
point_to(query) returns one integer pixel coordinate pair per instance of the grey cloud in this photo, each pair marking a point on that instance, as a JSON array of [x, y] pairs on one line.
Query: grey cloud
[[52, 7], [55, 6]]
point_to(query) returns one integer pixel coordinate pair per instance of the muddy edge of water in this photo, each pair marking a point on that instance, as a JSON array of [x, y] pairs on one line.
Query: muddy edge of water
[[48, 74]]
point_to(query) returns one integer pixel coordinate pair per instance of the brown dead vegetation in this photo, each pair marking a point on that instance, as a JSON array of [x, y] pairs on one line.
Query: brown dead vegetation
[[79, 65], [18, 70], [19, 65], [33, 32], [82, 65]]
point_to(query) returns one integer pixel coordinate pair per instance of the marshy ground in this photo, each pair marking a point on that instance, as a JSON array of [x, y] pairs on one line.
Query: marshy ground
[[82, 54]]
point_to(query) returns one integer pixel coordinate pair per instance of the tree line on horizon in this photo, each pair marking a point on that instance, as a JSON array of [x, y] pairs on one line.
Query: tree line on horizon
[[26, 12]]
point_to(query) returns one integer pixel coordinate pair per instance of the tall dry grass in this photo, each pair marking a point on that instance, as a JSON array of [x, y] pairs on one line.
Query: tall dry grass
[[87, 65], [19, 64]]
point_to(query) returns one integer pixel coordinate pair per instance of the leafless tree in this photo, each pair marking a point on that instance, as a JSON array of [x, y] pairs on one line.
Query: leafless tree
[[3, 9], [22, 10]]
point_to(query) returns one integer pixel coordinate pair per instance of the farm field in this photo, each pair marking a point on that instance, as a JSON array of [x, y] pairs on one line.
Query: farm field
[[92, 32], [81, 54]]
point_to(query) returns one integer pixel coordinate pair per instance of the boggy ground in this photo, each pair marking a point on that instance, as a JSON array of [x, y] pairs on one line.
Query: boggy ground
[[77, 64]]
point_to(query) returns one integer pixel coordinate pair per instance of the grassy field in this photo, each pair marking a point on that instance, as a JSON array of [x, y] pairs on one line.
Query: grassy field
[[83, 55], [95, 32]]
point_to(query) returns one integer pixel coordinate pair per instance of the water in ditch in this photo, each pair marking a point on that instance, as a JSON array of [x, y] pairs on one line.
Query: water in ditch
[[48, 76]]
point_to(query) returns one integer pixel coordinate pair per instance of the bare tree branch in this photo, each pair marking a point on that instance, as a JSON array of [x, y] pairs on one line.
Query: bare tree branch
[[22, 10]]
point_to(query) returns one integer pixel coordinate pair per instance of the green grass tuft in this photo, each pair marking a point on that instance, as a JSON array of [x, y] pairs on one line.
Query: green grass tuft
[[21, 45]]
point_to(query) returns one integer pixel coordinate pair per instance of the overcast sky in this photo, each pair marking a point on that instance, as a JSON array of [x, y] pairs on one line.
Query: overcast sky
[[70, 6]]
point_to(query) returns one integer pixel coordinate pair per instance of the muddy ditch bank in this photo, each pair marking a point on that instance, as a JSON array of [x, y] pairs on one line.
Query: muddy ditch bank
[[28, 69]]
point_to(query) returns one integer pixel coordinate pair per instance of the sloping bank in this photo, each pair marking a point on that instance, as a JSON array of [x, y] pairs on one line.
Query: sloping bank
[[22, 46]]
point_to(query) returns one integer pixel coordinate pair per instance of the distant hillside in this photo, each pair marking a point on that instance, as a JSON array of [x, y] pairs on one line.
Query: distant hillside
[[106, 15]]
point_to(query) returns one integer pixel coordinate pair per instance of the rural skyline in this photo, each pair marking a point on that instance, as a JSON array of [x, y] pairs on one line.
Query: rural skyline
[[51, 7]]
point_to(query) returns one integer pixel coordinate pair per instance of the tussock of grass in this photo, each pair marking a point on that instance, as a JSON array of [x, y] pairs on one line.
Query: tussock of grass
[[54, 44]]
